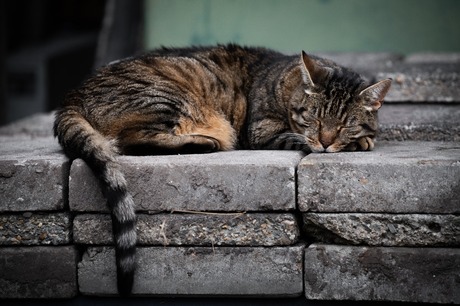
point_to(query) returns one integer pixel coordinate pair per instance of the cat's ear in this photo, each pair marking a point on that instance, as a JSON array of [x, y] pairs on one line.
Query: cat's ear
[[373, 95], [311, 72]]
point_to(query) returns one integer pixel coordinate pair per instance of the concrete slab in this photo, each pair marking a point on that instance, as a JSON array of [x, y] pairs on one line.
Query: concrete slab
[[252, 229], [383, 229], [38, 272], [33, 174], [424, 275], [397, 177], [35, 229], [224, 181], [199, 271]]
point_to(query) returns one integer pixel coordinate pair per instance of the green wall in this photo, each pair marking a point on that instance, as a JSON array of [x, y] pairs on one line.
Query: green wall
[[403, 26]]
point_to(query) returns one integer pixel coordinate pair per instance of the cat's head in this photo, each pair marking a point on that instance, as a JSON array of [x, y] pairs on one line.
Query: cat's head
[[334, 107]]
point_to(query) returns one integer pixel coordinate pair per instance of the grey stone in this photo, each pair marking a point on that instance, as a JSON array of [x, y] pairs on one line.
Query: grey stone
[[428, 275], [223, 181], [38, 272], [206, 229], [366, 63], [438, 82], [433, 57], [33, 174], [229, 271], [38, 125], [397, 177], [419, 121], [35, 229], [383, 229]]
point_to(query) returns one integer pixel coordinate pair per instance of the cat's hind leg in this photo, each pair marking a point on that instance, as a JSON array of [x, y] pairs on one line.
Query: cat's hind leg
[[155, 143]]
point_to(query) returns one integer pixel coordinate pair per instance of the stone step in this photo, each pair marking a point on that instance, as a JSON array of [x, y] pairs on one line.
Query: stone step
[[423, 82], [421, 78], [424, 275], [422, 122], [33, 174], [203, 229], [198, 271], [38, 272], [224, 181], [245, 224], [397, 177]]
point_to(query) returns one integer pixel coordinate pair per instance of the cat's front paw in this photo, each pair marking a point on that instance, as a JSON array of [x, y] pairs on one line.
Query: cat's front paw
[[365, 144]]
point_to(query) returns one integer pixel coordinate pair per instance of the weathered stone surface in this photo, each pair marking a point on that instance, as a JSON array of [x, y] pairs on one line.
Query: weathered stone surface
[[223, 181], [235, 229], [33, 174], [35, 229], [429, 275], [38, 125], [367, 63], [397, 177], [424, 82], [383, 229], [248, 271], [433, 57], [38, 272], [419, 121]]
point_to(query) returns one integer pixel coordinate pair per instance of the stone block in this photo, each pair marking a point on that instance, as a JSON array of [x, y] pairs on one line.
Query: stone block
[[433, 57], [397, 177], [35, 229], [37, 125], [38, 272], [237, 229], [419, 122], [223, 181], [198, 271], [423, 82], [366, 63], [383, 229], [33, 174], [426, 275]]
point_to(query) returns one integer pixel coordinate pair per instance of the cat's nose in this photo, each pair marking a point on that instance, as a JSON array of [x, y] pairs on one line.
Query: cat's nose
[[326, 139]]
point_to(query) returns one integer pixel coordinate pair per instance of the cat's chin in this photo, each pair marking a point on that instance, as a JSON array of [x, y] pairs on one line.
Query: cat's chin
[[317, 149], [334, 148]]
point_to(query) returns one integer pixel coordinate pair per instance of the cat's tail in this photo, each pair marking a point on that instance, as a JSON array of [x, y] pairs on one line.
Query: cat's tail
[[80, 140]]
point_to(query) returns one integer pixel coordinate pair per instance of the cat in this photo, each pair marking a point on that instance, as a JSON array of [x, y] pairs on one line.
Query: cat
[[207, 99]]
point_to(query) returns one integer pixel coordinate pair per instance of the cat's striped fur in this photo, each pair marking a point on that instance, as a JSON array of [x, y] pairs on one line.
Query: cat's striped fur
[[200, 100]]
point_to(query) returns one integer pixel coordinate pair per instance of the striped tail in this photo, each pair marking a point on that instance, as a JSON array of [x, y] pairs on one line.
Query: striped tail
[[80, 140]]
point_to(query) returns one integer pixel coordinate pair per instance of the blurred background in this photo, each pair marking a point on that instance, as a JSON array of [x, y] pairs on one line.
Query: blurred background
[[48, 47]]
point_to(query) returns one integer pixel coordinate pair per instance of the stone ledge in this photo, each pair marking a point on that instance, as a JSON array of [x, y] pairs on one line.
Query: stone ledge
[[404, 177], [223, 181], [33, 174], [202, 229], [421, 122], [421, 78], [424, 82], [198, 271], [383, 229], [435, 176], [427, 275]]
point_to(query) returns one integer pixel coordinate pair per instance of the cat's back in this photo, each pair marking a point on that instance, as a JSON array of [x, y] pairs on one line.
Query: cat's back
[[188, 70]]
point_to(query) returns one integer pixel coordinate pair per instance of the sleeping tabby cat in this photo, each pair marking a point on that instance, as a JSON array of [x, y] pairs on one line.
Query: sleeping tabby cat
[[199, 100]]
